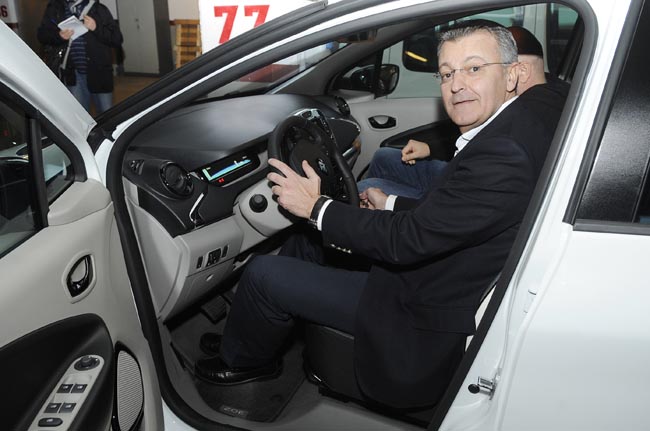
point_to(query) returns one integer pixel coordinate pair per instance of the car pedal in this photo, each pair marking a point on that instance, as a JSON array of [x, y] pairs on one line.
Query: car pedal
[[215, 309]]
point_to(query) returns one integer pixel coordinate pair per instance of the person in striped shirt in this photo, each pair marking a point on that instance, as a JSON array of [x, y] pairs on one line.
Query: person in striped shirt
[[89, 68]]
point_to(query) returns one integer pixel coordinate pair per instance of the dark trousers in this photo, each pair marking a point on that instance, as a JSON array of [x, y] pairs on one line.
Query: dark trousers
[[275, 290]]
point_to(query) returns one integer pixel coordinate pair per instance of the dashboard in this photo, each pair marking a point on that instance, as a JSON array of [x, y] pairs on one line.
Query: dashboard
[[197, 190]]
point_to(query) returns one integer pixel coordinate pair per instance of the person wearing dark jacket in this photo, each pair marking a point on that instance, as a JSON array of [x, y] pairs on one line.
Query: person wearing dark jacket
[[89, 68], [411, 313], [410, 171]]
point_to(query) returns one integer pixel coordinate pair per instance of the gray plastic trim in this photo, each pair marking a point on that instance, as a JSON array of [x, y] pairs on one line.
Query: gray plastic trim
[[269, 221], [180, 269], [80, 200]]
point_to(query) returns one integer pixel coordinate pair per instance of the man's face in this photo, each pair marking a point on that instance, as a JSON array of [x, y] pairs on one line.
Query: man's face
[[471, 100]]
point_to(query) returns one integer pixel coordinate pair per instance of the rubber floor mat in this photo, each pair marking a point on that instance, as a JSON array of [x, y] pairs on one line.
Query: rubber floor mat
[[259, 401]]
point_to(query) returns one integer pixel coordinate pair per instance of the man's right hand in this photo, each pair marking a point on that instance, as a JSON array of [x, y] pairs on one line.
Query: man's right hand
[[66, 34], [415, 150]]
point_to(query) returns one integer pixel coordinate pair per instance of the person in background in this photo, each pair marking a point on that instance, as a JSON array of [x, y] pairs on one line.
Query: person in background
[[89, 68], [396, 172]]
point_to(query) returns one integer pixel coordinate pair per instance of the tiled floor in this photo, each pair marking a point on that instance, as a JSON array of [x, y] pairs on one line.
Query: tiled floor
[[128, 85]]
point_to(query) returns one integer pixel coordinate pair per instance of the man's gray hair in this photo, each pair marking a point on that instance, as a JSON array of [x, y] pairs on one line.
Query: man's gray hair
[[505, 41]]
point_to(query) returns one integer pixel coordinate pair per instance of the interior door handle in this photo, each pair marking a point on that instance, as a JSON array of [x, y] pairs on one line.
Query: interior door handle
[[80, 276], [382, 122]]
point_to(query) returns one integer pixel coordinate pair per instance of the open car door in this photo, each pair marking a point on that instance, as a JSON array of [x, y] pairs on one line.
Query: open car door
[[72, 352]]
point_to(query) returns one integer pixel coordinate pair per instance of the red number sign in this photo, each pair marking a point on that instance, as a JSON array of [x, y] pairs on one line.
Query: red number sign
[[260, 10], [230, 12]]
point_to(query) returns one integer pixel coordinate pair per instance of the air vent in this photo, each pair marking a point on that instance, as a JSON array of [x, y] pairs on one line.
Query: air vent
[[342, 106], [176, 180]]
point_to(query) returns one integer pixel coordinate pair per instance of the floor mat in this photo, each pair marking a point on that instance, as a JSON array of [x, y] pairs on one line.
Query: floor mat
[[258, 401]]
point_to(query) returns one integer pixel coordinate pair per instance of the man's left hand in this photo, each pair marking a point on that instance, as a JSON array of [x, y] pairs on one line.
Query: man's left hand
[[375, 198], [296, 194]]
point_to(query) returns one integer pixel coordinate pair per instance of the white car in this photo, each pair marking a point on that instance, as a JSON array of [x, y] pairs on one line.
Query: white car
[[122, 242]]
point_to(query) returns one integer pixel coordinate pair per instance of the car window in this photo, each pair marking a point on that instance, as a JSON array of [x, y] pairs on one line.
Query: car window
[[416, 55], [272, 75], [560, 21], [19, 210], [57, 168], [17, 213], [617, 191]]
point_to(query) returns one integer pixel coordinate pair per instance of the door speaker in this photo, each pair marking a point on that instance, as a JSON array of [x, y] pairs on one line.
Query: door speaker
[[129, 393]]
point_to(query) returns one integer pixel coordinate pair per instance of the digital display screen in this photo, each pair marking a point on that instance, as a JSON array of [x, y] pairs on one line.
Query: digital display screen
[[227, 170]]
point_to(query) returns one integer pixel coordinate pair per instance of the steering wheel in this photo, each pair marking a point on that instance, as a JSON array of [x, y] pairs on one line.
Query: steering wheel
[[296, 139]]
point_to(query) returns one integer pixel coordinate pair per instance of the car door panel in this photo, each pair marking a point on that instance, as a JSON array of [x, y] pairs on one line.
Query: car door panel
[[35, 294], [440, 135], [408, 114]]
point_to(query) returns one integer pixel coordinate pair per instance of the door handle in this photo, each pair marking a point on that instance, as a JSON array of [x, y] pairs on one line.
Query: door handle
[[382, 122], [80, 276]]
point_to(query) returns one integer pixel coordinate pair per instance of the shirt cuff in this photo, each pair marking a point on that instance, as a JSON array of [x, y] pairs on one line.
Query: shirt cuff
[[390, 202], [319, 222]]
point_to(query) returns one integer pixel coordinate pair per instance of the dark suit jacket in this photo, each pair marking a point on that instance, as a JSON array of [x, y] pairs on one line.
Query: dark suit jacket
[[434, 260]]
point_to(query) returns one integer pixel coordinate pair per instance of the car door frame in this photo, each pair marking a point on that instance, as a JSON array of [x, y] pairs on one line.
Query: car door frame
[[231, 65]]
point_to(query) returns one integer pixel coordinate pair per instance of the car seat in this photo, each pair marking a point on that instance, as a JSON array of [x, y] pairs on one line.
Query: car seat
[[329, 363]]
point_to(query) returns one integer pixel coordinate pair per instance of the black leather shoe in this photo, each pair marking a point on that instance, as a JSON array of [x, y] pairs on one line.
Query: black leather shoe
[[210, 343], [214, 370]]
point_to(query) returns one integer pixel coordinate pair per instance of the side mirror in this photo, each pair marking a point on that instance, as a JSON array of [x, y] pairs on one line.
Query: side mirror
[[420, 54], [388, 78], [363, 79]]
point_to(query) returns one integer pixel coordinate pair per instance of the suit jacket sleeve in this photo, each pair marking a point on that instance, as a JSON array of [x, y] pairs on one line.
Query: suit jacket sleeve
[[487, 193], [403, 203]]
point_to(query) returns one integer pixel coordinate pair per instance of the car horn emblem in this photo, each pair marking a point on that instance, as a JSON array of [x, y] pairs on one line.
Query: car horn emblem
[[322, 166]]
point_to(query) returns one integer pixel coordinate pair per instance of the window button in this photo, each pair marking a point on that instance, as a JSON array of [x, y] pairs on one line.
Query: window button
[[79, 389], [50, 422], [67, 407], [52, 408], [64, 388]]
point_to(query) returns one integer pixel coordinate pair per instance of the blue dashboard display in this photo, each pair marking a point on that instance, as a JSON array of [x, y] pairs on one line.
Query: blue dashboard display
[[227, 170]]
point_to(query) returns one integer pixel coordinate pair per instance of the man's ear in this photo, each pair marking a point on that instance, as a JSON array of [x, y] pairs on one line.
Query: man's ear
[[525, 70], [512, 77]]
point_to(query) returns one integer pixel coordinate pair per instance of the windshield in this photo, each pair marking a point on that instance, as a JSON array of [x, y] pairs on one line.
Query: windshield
[[272, 75]]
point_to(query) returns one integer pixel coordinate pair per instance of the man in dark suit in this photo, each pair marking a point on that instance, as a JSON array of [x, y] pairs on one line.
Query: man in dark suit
[[412, 310]]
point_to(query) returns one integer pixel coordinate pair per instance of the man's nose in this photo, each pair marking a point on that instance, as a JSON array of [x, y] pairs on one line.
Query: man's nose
[[457, 81]]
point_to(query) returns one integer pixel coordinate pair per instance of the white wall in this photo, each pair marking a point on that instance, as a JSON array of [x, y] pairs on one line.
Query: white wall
[[183, 9], [110, 4]]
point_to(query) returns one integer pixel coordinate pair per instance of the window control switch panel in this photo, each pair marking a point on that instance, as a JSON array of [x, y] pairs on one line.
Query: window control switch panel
[[67, 397]]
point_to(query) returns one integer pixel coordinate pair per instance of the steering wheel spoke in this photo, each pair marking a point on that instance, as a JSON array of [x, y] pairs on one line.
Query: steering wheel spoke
[[298, 138]]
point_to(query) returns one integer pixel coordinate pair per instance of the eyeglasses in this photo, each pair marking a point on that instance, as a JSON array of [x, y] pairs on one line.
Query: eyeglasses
[[473, 71]]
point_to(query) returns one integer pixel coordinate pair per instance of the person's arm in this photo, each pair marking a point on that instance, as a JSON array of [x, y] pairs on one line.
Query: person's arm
[[48, 31], [488, 193], [404, 204], [104, 26], [415, 150]]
